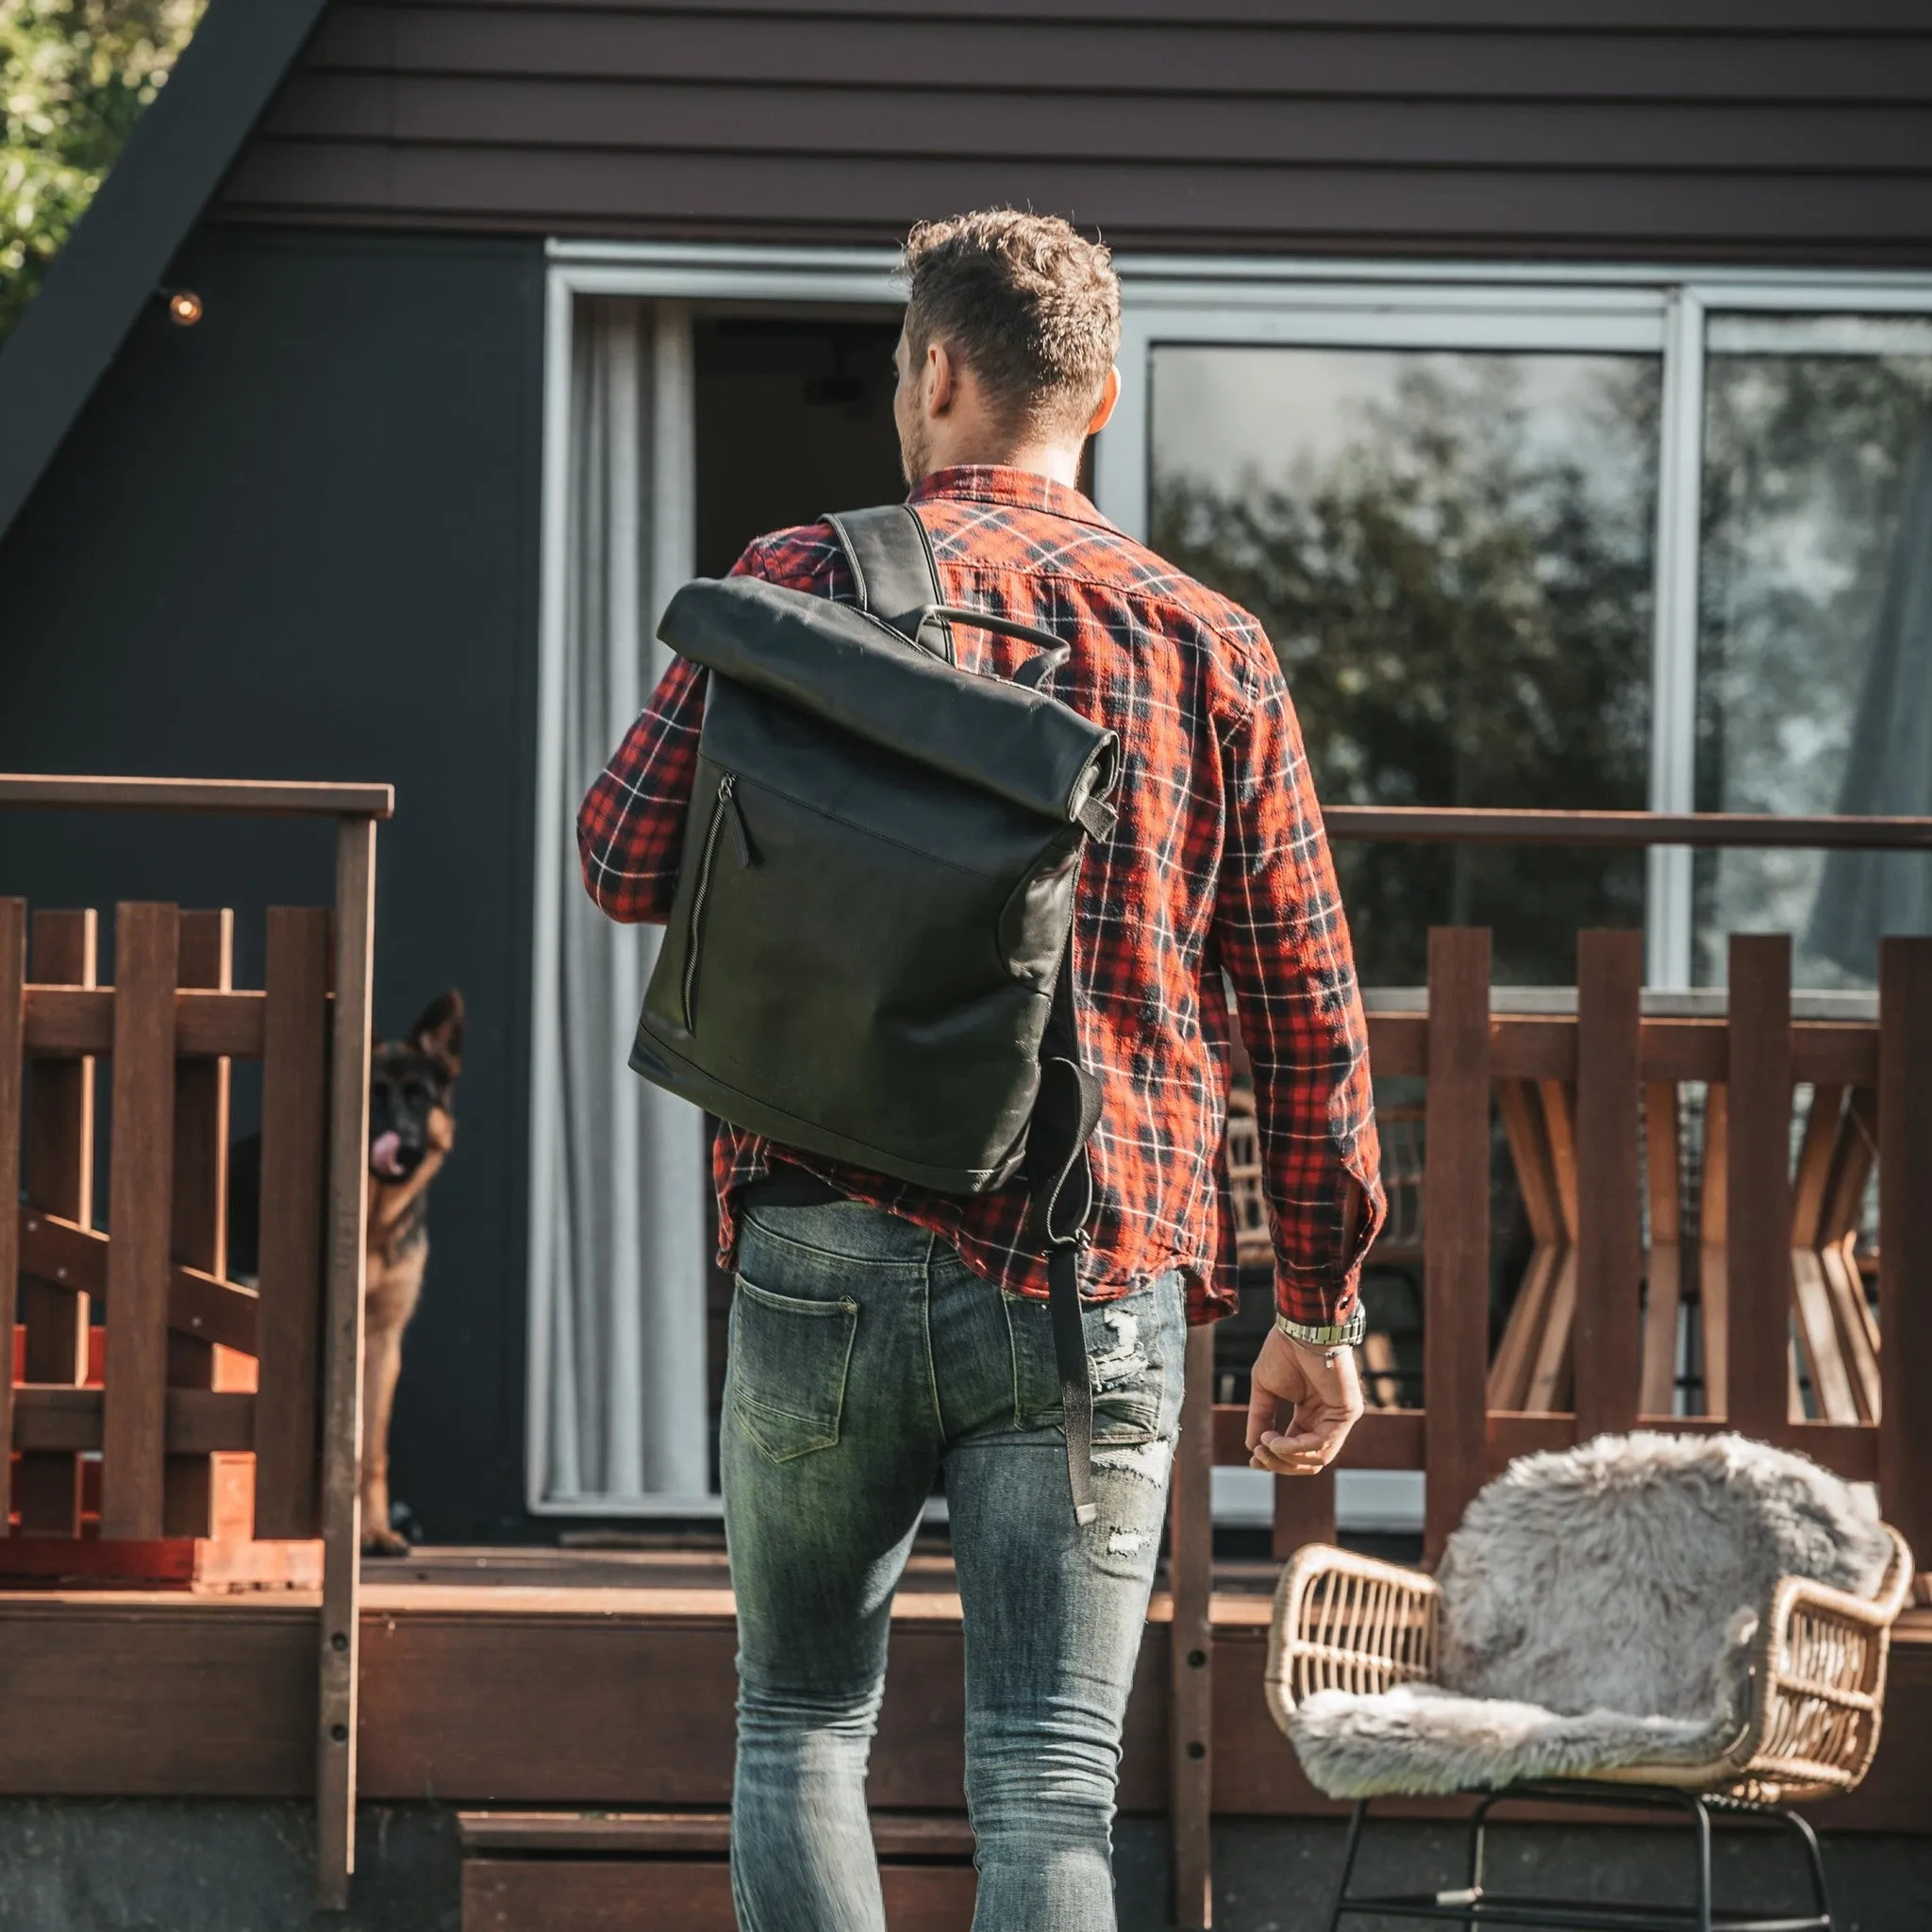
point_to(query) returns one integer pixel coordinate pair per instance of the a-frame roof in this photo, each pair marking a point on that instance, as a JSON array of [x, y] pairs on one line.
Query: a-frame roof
[[119, 250]]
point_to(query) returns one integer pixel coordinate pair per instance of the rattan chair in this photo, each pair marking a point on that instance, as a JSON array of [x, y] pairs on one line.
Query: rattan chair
[[1809, 1726]]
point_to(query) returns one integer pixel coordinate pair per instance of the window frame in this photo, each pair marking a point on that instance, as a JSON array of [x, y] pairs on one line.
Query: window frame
[[1198, 300]]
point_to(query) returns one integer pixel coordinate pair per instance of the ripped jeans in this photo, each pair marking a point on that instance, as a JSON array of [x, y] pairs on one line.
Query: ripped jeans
[[866, 1358]]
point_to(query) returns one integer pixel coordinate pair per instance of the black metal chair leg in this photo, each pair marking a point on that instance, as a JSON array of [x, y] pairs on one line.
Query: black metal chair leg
[[1701, 1815], [1348, 1858], [1478, 1844], [1821, 1892]]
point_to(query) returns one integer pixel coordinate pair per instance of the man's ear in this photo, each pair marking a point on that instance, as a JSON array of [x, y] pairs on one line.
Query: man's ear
[[941, 379], [438, 1033], [1109, 399]]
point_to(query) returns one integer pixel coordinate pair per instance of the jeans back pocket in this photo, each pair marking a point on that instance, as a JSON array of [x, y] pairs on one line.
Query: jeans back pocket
[[788, 1368]]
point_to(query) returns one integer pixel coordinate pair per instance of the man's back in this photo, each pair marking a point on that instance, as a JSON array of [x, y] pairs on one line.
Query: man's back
[[1216, 863]]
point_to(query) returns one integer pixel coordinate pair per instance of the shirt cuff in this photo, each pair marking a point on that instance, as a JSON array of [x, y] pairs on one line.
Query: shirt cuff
[[1346, 1334]]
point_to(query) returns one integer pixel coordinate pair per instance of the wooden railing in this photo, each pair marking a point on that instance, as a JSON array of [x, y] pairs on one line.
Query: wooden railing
[[190, 1365], [1590, 1105]]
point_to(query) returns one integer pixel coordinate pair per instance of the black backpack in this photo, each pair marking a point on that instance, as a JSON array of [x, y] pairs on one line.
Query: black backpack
[[867, 955]]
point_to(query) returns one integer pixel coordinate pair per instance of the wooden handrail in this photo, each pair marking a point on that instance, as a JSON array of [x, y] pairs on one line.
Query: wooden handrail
[[1429, 825], [274, 797]]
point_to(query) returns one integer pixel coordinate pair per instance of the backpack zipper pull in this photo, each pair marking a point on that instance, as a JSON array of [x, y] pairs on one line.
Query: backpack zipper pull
[[741, 832]]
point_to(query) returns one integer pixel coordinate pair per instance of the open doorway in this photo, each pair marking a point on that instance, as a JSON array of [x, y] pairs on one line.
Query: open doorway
[[793, 416], [690, 428]]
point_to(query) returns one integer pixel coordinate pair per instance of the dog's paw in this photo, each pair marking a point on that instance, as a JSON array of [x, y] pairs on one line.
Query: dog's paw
[[384, 1542]]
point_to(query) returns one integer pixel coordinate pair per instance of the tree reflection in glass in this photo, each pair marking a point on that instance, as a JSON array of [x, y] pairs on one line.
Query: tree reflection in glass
[[1815, 637], [1452, 555]]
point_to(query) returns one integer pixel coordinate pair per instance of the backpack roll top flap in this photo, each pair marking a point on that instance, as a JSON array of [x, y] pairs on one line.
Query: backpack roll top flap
[[850, 669]]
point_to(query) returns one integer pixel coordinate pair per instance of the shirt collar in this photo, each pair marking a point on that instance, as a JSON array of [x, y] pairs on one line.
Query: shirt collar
[[1017, 488]]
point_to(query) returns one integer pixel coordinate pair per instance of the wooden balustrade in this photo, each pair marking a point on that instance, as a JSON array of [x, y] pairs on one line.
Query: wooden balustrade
[[175, 1377], [1631, 1226], [206, 1420]]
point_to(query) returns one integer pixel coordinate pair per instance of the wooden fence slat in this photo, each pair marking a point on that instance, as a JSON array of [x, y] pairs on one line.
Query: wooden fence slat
[[1759, 1183], [139, 1183], [200, 1237], [1664, 1263], [63, 1020], [1838, 1238], [1560, 1123], [1550, 1376], [60, 1178], [200, 1305], [1905, 1244], [1609, 1209], [1392, 1438], [1816, 1320], [1842, 1053], [1817, 1151], [1529, 1154], [13, 1002], [197, 1422], [1714, 1251], [1818, 1338], [294, 1107], [348, 1212], [1303, 1512], [1455, 1228], [1191, 1638]]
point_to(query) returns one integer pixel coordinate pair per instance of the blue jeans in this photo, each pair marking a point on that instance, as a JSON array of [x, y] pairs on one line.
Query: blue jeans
[[865, 1359]]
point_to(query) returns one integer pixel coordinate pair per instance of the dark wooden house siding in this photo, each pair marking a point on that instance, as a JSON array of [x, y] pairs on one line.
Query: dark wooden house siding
[[299, 540], [1717, 129]]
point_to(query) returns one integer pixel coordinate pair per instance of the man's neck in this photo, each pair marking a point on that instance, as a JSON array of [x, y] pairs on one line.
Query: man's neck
[[1057, 461]]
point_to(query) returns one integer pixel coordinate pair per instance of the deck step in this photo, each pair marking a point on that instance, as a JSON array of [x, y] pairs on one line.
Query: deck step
[[612, 1871]]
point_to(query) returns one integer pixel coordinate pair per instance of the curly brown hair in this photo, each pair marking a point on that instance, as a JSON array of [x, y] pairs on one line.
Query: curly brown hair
[[1029, 303]]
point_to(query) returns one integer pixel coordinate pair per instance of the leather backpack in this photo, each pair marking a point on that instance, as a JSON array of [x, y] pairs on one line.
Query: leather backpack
[[869, 954]]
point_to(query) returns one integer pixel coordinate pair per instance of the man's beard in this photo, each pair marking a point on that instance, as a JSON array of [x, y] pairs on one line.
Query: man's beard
[[913, 453]]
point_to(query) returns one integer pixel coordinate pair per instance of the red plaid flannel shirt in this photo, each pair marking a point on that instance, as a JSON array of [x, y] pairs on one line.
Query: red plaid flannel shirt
[[1218, 865]]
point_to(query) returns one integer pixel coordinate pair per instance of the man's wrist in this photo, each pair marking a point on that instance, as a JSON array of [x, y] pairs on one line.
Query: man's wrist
[[1346, 1334]]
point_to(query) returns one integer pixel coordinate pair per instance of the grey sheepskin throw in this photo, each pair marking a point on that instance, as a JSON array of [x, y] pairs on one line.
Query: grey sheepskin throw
[[1598, 1609]]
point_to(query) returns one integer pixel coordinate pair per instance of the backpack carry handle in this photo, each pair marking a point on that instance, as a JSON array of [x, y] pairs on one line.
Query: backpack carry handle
[[1052, 652]]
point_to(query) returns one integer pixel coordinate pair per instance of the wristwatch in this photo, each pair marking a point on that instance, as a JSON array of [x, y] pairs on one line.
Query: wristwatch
[[1346, 1334]]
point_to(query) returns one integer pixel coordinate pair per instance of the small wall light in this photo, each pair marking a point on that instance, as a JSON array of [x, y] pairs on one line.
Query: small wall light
[[184, 308]]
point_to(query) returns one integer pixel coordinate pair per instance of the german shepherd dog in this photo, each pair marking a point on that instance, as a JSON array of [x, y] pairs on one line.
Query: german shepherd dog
[[413, 1126]]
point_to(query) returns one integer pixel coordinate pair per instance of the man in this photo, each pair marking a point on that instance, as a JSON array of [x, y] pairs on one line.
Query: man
[[884, 1337]]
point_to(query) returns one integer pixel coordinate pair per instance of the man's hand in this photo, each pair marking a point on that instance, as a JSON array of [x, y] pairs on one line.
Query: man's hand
[[1304, 1403]]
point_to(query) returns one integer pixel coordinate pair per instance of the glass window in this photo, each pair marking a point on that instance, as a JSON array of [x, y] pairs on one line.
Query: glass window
[[1452, 553], [1815, 628]]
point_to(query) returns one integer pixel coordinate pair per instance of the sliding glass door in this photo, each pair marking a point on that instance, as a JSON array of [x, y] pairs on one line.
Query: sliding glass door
[[1549, 542]]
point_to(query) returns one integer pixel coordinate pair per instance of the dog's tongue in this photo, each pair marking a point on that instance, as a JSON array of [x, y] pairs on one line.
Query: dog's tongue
[[384, 1153]]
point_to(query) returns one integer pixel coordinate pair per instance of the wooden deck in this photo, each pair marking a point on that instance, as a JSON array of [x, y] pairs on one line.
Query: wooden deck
[[541, 1678]]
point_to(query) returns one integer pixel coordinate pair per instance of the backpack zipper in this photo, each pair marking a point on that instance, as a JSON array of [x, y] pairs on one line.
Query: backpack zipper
[[726, 804]]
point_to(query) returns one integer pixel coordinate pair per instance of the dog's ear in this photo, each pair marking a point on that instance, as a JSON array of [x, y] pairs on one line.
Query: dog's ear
[[439, 1031]]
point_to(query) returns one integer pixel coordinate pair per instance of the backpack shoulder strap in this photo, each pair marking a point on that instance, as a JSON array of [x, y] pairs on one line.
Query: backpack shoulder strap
[[891, 563], [897, 581]]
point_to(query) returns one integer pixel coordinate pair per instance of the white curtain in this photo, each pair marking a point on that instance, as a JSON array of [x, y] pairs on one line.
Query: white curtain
[[618, 1249], [1863, 895]]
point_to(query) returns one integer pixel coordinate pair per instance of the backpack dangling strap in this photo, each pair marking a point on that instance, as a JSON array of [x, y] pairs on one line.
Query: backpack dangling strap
[[1061, 1178], [893, 570]]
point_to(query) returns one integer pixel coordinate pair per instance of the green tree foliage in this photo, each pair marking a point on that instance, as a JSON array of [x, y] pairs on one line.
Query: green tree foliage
[[1463, 615], [74, 76]]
